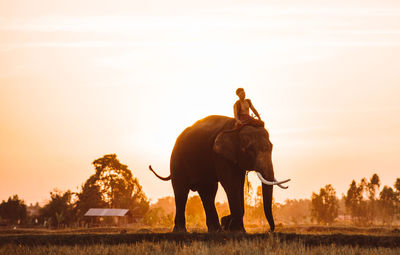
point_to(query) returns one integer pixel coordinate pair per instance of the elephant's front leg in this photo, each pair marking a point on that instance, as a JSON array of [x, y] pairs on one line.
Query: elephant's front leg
[[207, 195], [233, 186]]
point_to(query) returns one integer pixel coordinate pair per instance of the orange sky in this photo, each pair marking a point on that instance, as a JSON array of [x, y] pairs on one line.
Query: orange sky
[[80, 80]]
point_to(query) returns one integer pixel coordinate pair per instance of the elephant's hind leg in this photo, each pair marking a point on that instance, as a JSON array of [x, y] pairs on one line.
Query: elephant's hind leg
[[181, 194], [207, 194]]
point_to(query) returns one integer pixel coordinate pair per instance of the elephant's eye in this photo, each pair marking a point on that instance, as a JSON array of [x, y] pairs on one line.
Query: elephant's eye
[[251, 149]]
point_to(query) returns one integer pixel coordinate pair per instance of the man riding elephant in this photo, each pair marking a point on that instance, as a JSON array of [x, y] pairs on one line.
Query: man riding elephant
[[220, 149], [242, 113]]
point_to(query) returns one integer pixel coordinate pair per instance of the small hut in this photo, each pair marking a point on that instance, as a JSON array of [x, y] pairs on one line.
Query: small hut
[[108, 216]]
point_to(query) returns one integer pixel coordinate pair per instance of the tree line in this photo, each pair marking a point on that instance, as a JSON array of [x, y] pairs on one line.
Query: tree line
[[112, 185], [365, 203]]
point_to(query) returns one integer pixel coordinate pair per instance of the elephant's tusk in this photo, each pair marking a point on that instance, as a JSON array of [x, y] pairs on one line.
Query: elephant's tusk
[[272, 183], [280, 185]]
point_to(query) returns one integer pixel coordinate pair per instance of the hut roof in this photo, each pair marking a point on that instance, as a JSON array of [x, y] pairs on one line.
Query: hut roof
[[106, 212]]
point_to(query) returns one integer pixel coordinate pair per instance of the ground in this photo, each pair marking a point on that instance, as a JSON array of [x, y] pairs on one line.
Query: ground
[[286, 240]]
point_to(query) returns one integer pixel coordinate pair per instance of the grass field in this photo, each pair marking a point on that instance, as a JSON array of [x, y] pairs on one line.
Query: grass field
[[306, 240], [256, 246]]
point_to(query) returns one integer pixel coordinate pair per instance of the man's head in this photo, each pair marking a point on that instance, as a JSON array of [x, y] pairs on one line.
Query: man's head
[[240, 93]]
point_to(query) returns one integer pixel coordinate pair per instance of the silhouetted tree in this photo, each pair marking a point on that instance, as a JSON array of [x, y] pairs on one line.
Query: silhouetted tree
[[59, 210], [248, 194], [112, 186], [156, 216], [388, 204], [397, 185], [397, 189], [89, 197], [372, 188], [195, 212], [161, 213], [258, 212], [13, 211], [167, 204], [362, 202], [355, 202], [33, 213], [325, 205], [294, 211], [254, 214]]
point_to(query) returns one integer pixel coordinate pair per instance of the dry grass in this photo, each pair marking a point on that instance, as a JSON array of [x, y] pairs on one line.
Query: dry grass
[[271, 245], [287, 240], [297, 229]]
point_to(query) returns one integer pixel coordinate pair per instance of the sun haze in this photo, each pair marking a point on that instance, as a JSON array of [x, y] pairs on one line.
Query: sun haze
[[79, 80]]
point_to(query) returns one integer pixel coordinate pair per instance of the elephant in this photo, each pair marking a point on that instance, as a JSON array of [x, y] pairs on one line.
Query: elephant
[[212, 150]]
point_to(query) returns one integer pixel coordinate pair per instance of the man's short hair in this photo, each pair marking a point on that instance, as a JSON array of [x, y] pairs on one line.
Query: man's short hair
[[239, 90]]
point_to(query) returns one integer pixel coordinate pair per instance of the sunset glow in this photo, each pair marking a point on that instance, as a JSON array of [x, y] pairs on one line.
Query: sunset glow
[[81, 80]]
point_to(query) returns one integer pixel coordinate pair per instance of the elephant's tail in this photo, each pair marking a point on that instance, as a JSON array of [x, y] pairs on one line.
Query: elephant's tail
[[162, 178]]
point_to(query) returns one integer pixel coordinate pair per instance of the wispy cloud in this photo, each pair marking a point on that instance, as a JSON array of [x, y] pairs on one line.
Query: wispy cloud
[[266, 10], [294, 27]]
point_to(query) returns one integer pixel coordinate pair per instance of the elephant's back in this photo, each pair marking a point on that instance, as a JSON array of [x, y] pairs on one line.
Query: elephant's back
[[193, 147], [204, 131], [210, 125]]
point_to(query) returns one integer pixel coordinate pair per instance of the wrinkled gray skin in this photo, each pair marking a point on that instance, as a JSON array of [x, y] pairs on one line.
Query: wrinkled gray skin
[[204, 155]]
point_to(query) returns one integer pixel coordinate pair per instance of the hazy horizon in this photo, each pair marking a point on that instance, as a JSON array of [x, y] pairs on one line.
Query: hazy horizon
[[79, 80]]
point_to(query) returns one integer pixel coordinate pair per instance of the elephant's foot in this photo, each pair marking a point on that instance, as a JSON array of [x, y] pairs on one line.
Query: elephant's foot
[[228, 223], [214, 229], [178, 229]]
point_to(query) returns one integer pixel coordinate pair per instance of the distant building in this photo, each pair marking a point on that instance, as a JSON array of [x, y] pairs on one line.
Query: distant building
[[108, 216], [33, 212]]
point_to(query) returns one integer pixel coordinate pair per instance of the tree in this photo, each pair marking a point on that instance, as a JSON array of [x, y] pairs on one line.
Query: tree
[[325, 205], [397, 189], [161, 213], [372, 188], [355, 203], [397, 185], [195, 212], [33, 213], [89, 197], [248, 194], [167, 204], [361, 200], [59, 210], [13, 210], [388, 201], [156, 216], [258, 211], [294, 211], [113, 186]]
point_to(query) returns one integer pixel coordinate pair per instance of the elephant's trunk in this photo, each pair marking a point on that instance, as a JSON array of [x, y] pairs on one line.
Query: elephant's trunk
[[266, 175], [267, 201]]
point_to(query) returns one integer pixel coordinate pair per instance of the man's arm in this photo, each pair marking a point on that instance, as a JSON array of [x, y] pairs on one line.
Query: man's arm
[[235, 112], [254, 110]]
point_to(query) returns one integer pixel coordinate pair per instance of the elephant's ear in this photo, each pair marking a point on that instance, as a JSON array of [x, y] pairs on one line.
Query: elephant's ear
[[226, 144]]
